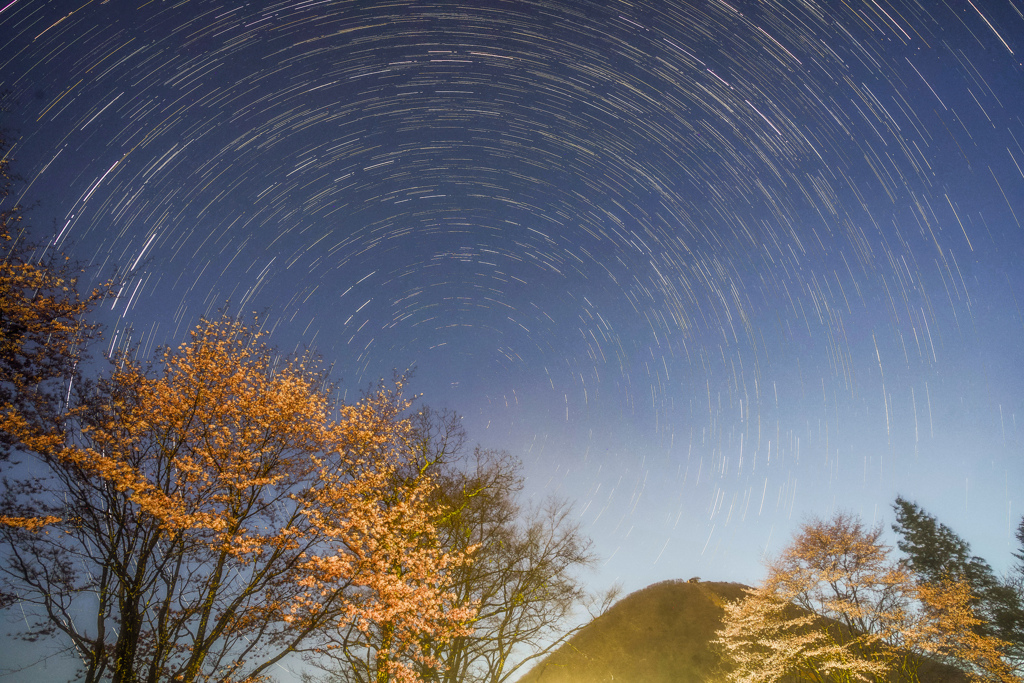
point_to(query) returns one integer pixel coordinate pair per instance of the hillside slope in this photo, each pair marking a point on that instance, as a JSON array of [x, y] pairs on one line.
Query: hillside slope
[[660, 634], [657, 635]]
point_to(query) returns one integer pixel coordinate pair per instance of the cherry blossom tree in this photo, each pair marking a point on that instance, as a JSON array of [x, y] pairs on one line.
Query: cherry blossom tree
[[767, 639], [524, 579], [218, 513], [43, 329], [836, 606], [948, 626]]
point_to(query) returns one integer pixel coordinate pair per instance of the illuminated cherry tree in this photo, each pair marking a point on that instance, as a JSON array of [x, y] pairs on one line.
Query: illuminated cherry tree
[[836, 607], [218, 513], [43, 330]]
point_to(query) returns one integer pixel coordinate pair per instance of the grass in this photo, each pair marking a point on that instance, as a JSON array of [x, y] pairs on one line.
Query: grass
[[658, 634]]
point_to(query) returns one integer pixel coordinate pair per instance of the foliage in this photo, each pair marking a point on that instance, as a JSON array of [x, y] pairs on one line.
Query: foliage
[[43, 328], [766, 638], [524, 575], [218, 513], [836, 607], [1019, 555], [522, 579], [934, 551], [949, 627]]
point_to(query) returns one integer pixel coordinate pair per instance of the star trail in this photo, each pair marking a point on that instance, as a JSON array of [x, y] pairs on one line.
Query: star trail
[[706, 266]]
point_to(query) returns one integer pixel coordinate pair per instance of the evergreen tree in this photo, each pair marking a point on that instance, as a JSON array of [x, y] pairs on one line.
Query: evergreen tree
[[1018, 569], [934, 553], [934, 550]]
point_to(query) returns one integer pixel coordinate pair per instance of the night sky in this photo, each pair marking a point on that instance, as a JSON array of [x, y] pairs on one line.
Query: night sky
[[706, 267]]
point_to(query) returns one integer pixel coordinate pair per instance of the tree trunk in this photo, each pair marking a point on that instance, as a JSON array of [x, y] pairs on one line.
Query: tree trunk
[[383, 653]]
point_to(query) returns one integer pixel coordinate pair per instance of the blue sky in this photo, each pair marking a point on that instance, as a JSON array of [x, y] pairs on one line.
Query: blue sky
[[706, 267]]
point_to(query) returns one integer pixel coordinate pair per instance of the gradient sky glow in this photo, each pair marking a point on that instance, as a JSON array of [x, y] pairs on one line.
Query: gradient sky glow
[[708, 267]]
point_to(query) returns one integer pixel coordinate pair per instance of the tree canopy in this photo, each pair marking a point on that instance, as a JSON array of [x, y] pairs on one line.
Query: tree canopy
[[836, 606], [44, 328], [934, 552], [524, 578], [217, 511]]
